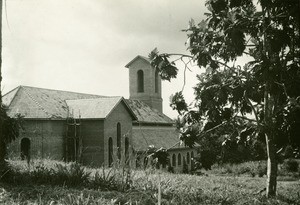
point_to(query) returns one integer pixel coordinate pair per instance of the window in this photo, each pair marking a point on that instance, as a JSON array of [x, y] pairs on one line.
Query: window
[[174, 160], [25, 149], [192, 155], [110, 151], [119, 140], [140, 81], [188, 158], [179, 159], [156, 81], [126, 150]]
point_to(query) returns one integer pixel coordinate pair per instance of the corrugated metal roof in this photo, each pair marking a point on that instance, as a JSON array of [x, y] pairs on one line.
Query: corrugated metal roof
[[144, 136], [93, 108], [146, 114]]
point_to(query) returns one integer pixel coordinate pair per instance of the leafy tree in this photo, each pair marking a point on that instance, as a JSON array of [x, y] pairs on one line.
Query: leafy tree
[[10, 131], [9, 127], [265, 92]]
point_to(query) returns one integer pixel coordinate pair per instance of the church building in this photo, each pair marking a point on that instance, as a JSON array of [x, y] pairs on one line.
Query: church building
[[97, 130]]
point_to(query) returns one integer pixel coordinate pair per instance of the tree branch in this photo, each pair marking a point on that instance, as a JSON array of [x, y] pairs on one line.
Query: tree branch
[[212, 129], [253, 108]]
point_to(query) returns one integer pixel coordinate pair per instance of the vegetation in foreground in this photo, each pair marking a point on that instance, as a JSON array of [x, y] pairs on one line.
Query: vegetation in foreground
[[249, 52], [52, 182]]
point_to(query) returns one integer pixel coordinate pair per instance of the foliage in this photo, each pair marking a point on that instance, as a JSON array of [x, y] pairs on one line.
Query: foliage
[[251, 168], [291, 165], [10, 129], [176, 188], [42, 175], [260, 98], [72, 175], [207, 159], [11, 126], [105, 181], [185, 168], [160, 156]]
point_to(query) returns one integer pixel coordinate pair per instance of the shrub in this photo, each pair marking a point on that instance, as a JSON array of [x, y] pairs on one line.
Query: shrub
[[13, 176], [243, 170], [170, 169], [72, 175], [41, 174], [291, 165], [261, 169], [288, 152], [105, 180], [207, 159], [185, 168]]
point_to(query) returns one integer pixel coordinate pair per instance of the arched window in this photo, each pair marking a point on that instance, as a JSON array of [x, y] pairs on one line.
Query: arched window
[[188, 158], [110, 151], [25, 149], [126, 150], [179, 159], [119, 140], [156, 81], [140, 81], [174, 160]]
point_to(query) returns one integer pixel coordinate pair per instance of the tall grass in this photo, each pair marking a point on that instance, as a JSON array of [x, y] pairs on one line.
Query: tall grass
[[287, 169], [123, 185]]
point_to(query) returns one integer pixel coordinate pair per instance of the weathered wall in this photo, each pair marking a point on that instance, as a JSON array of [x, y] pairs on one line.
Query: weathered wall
[[119, 115], [140, 159], [183, 151], [92, 132], [46, 139]]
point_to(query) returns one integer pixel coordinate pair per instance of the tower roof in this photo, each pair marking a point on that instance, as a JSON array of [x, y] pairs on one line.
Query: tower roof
[[136, 58]]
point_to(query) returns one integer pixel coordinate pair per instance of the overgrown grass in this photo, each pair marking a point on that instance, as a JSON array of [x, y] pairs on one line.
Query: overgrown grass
[[126, 186], [286, 171]]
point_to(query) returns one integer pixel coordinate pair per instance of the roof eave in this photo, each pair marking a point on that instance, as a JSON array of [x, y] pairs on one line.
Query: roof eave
[[122, 99], [18, 89], [153, 123], [138, 56]]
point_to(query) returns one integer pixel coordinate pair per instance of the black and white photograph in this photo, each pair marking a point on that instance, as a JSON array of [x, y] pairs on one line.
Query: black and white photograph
[[135, 102]]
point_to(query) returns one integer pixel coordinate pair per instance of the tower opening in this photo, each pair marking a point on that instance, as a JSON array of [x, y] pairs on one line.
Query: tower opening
[[140, 81], [156, 81]]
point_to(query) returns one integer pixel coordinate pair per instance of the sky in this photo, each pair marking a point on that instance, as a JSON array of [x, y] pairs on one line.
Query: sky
[[84, 45]]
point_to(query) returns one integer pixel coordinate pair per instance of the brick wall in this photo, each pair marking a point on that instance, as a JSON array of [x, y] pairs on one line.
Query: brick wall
[[92, 132], [183, 152], [149, 96], [46, 139], [119, 115]]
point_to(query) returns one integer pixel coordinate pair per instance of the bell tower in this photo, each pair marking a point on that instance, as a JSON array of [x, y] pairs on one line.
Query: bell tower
[[144, 82]]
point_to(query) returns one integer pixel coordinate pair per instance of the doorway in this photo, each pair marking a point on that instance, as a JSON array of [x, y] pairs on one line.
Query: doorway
[[25, 149]]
